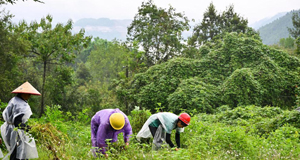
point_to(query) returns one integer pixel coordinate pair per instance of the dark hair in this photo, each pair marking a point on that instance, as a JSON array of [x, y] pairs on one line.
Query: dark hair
[[184, 125]]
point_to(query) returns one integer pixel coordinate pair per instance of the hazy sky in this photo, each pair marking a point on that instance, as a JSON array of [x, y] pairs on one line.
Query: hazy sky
[[63, 10]]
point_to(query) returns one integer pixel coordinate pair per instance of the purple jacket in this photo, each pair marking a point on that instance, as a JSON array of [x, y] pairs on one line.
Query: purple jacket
[[101, 129]]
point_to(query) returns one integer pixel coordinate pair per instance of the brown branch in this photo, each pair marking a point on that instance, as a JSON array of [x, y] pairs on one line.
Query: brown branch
[[34, 52]]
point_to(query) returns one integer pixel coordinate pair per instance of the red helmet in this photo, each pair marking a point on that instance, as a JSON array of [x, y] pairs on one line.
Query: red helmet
[[185, 118]]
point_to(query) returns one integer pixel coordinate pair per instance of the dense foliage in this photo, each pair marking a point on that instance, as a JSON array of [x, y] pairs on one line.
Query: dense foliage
[[239, 70], [158, 31], [214, 25], [240, 93], [10, 50], [248, 132]]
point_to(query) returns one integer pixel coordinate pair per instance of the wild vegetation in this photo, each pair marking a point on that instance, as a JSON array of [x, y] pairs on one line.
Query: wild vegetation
[[241, 94]]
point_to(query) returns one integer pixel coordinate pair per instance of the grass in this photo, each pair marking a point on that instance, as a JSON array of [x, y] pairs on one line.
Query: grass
[[229, 134]]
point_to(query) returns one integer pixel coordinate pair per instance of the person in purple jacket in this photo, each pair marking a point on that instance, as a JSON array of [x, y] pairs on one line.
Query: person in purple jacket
[[107, 124]]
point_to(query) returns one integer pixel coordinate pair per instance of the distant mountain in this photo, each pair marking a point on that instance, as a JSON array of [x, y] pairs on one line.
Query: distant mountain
[[104, 28], [110, 29], [271, 29], [271, 33], [265, 21]]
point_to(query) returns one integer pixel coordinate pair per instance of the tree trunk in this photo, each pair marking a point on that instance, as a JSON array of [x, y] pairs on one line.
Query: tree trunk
[[43, 90]]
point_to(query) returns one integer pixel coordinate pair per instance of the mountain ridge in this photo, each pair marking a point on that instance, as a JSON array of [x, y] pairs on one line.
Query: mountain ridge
[[271, 29]]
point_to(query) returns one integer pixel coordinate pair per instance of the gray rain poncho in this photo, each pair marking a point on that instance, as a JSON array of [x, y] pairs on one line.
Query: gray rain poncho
[[26, 148], [168, 123], [1, 154]]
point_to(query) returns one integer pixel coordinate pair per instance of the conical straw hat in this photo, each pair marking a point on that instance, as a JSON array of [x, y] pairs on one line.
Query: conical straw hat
[[26, 88]]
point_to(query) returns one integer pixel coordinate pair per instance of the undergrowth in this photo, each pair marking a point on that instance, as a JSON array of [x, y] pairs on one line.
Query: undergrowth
[[246, 132]]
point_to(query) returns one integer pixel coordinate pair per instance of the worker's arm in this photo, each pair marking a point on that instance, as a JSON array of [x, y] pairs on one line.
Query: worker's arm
[[168, 140], [18, 123], [177, 139], [127, 132]]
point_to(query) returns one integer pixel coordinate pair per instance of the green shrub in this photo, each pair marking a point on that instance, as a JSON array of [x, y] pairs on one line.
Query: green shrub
[[137, 118], [193, 94]]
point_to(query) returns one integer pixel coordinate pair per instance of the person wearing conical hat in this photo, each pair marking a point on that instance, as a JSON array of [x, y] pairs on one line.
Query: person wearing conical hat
[[19, 143], [107, 124]]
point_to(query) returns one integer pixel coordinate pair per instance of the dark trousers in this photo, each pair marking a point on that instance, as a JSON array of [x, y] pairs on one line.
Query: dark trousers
[[152, 130], [13, 155]]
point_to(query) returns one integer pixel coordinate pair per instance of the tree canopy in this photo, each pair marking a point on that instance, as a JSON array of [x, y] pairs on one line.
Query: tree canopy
[[158, 31], [295, 32], [214, 25], [239, 70], [51, 46]]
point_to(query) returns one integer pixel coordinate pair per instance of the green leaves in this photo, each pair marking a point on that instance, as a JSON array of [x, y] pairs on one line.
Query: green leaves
[[238, 70], [50, 45], [214, 26], [158, 31], [193, 94], [241, 89], [295, 32]]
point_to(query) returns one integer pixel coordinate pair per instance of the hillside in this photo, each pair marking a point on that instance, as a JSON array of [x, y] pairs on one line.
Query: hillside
[[271, 29], [274, 31], [266, 21]]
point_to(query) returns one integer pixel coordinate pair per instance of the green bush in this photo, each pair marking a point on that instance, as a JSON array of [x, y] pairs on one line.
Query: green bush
[[194, 94], [137, 118]]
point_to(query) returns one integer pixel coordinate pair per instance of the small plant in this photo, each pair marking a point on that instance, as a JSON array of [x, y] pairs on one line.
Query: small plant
[[137, 118]]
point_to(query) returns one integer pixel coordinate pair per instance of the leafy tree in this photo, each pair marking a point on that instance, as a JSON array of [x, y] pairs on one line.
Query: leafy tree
[[236, 70], [11, 49], [233, 22], [106, 60], [241, 88], [295, 32], [57, 82], [158, 31], [287, 42], [209, 27], [298, 46], [83, 74], [154, 86], [202, 97], [215, 25], [52, 46]]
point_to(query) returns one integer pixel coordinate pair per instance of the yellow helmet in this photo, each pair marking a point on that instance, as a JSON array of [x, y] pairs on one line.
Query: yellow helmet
[[117, 121]]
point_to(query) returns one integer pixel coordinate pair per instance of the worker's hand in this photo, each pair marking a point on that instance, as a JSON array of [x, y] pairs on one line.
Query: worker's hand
[[106, 155], [176, 149], [126, 146]]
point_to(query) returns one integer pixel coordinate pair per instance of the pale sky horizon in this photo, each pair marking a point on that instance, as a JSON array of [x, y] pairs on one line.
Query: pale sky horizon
[[63, 10]]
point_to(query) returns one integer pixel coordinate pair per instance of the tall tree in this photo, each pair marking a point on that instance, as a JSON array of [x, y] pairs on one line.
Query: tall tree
[[11, 48], [287, 42], [106, 60], [158, 31], [215, 25], [208, 28], [233, 22], [52, 45], [295, 32], [298, 46]]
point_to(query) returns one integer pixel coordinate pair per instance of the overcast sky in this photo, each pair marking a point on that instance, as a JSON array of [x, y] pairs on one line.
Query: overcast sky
[[63, 10]]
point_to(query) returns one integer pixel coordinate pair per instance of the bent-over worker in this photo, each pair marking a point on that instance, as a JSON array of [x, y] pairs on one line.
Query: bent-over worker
[[160, 126]]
